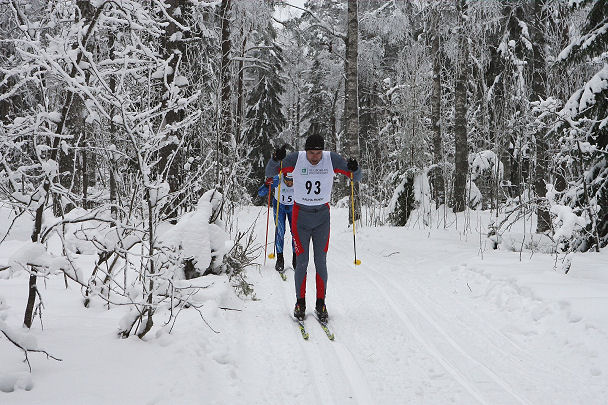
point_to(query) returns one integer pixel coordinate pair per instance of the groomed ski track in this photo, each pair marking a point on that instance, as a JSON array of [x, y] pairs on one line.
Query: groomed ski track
[[411, 327]]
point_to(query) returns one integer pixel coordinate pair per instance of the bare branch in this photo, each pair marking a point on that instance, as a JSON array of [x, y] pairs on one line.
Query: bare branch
[[26, 350]]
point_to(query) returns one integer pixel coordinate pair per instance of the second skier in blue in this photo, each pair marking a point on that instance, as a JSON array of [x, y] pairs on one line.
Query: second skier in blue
[[285, 211]]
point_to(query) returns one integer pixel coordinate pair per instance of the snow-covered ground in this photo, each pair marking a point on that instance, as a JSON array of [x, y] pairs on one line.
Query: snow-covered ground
[[431, 316]]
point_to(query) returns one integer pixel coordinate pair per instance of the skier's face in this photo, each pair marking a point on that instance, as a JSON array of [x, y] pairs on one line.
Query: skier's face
[[314, 156], [288, 182]]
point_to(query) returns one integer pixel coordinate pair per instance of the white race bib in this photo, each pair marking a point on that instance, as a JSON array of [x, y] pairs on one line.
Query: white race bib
[[312, 184], [286, 194]]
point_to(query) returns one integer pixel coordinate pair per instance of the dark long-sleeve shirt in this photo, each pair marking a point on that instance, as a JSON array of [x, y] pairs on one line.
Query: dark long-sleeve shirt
[[289, 162]]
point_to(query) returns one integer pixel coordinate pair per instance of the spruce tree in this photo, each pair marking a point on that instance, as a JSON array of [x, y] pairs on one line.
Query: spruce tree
[[586, 114], [265, 118], [317, 103]]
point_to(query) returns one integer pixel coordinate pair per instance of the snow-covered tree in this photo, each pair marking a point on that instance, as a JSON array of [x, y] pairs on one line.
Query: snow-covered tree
[[129, 85], [317, 103], [460, 111], [583, 126], [265, 117]]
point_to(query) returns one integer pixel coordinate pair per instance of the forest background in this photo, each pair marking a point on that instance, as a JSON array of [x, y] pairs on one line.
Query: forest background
[[119, 119]]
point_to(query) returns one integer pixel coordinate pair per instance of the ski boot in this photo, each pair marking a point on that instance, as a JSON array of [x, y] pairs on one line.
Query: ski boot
[[280, 266], [321, 310], [299, 311]]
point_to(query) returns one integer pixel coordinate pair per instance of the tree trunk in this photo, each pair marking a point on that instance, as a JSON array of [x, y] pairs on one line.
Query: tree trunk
[[351, 102], [438, 183], [240, 91], [333, 128], [148, 310], [32, 288], [539, 92], [113, 137], [298, 120], [225, 119], [90, 24], [174, 51], [85, 177], [71, 175], [461, 164], [436, 92]]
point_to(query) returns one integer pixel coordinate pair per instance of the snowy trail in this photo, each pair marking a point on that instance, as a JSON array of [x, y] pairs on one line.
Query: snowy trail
[[528, 377], [511, 366], [469, 372], [334, 373], [317, 371], [423, 320], [464, 355], [422, 343]]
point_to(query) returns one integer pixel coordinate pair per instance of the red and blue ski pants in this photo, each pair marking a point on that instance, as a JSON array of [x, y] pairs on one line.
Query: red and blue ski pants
[[311, 222]]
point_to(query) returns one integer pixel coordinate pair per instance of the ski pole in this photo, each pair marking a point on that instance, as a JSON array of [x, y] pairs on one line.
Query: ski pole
[[276, 221], [267, 219], [352, 203]]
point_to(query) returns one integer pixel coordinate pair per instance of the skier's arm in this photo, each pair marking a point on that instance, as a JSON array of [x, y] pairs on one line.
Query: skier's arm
[[274, 166], [263, 190], [340, 166]]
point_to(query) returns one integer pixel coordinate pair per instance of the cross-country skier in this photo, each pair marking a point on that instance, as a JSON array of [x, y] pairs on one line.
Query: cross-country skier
[[285, 209], [313, 171]]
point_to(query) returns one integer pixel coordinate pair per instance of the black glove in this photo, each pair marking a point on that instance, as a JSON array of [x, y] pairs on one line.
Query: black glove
[[279, 153], [352, 165]]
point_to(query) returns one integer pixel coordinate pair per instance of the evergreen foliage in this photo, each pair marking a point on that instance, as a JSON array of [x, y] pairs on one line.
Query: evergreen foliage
[[404, 200], [265, 119], [584, 118], [317, 103]]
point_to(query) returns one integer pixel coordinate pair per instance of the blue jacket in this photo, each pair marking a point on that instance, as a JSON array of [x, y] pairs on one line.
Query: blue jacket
[[263, 190]]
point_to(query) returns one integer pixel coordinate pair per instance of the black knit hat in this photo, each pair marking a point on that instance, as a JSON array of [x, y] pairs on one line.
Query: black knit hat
[[314, 142]]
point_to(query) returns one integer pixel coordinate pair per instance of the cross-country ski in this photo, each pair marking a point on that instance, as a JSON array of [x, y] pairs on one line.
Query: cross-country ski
[[302, 328], [325, 327]]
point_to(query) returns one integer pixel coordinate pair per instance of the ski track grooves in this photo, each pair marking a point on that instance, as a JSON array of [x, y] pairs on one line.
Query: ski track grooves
[[341, 356], [500, 342], [317, 371], [325, 358], [426, 340], [506, 355]]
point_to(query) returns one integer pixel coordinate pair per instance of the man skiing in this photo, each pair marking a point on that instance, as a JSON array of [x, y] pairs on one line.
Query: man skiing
[[285, 210], [313, 171]]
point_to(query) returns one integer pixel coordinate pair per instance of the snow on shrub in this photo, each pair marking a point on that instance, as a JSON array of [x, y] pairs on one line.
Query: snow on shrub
[[13, 382], [519, 241], [566, 223], [199, 236], [36, 255], [483, 162], [24, 342], [474, 195], [404, 200], [158, 193]]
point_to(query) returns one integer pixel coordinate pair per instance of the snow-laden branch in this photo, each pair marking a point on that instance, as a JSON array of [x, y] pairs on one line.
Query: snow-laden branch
[[583, 43], [26, 350], [320, 23]]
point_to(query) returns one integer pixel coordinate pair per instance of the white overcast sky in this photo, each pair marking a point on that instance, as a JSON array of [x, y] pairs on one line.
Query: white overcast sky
[[283, 13]]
